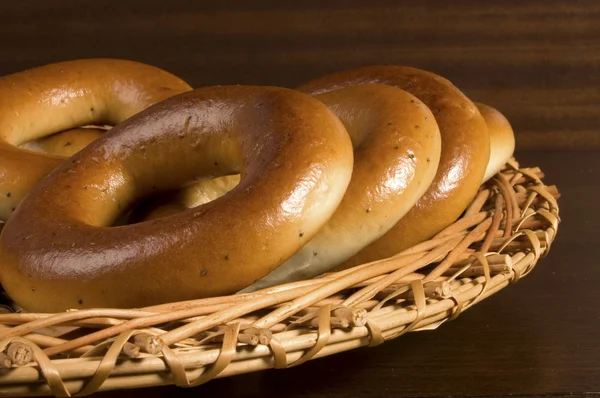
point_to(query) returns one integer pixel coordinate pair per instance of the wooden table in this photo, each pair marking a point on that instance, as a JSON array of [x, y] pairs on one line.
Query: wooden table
[[537, 61]]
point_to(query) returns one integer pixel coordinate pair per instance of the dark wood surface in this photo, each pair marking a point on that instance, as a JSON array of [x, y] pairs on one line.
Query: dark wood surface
[[537, 61]]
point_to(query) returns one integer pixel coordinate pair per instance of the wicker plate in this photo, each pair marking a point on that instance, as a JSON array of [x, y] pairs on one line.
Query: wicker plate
[[498, 240]]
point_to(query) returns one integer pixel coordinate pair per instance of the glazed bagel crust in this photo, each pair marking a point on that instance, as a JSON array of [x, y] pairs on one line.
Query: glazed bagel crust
[[463, 161], [502, 139], [295, 158], [57, 97]]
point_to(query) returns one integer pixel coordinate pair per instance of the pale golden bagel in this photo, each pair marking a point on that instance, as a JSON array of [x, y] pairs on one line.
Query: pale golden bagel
[[397, 149], [57, 97], [502, 139], [463, 161]]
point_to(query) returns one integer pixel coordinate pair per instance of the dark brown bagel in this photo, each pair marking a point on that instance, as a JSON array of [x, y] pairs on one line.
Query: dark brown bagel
[[295, 158]]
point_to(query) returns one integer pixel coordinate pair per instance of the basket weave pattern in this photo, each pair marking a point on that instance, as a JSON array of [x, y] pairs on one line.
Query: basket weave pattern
[[498, 240]]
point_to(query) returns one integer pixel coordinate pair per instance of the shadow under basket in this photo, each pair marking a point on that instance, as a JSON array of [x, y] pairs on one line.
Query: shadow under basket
[[498, 240]]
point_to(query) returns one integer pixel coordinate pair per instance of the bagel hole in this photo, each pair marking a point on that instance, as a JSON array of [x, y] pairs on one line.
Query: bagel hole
[[162, 204], [152, 206], [68, 142]]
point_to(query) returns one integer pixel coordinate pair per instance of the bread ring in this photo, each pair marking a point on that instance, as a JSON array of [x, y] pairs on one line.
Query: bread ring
[[66, 143], [502, 139], [464, 158], [57, 97], [295, 158], [397, 149]]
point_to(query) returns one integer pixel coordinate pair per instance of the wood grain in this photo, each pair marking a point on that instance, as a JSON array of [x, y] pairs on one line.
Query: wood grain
[[537, 61]]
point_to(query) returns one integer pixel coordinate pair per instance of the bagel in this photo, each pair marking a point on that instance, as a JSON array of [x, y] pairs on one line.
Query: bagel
[[58, 252], [464, 157], [397, 150], [502, 139], [57, 97]]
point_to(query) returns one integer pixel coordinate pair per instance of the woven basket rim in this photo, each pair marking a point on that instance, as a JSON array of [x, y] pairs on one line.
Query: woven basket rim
[[499, 239]]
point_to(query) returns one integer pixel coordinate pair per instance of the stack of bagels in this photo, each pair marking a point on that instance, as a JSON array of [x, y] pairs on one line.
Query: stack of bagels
[[121, 186]]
